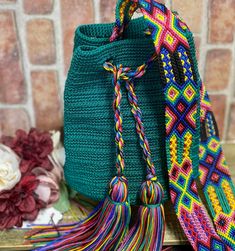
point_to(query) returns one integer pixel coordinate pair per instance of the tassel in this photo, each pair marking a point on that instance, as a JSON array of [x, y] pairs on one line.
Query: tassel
[[147, 234], [104, 228], [148, 231]]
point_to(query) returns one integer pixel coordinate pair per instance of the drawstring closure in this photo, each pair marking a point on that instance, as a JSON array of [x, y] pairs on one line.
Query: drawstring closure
[[127, 75], [148, 230]]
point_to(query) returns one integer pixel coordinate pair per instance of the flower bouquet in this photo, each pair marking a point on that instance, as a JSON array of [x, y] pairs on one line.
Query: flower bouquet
[[31, 172]]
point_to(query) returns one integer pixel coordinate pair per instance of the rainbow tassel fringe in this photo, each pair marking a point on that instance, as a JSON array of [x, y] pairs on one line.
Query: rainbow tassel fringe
[[107, 225], [148, 231], [103, 229]]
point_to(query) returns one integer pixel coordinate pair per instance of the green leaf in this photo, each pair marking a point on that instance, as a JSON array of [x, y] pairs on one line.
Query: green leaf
[[63, 204]]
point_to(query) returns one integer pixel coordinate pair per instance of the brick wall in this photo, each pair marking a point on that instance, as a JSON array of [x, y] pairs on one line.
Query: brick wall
[[36, 39]]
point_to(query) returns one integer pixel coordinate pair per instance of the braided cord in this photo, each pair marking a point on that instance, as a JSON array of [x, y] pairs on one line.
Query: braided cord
[[120, 74], [120, 163], [136, 111]]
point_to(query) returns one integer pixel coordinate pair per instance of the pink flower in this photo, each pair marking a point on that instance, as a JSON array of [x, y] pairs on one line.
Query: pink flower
[[48, 189]]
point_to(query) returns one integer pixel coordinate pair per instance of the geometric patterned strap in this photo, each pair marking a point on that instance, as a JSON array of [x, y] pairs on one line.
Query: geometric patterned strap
[[182, 114], [214, 176], [167, 31], [181, 90], [181, 117]]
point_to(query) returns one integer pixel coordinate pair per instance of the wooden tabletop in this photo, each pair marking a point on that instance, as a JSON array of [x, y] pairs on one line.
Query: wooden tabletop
[[13, 239]]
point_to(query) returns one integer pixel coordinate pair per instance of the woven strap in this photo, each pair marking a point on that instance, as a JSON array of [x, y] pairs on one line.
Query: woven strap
[[215, 177], [181, 88]]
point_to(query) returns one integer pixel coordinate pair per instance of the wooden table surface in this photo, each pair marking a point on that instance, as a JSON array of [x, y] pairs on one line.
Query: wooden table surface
[[13, 239]]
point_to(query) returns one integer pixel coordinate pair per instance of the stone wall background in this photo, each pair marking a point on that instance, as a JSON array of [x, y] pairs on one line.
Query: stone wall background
[[36, 39]]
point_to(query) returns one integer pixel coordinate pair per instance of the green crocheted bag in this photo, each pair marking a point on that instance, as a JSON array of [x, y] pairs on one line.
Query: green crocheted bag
[[138, 117], [89, 133]]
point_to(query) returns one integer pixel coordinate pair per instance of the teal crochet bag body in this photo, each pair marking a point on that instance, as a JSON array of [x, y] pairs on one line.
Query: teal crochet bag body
[[88, 114]]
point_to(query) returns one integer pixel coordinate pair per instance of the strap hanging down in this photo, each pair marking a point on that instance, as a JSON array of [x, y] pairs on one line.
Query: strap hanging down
[[215, 177], [181, 90], [181, 136], [214, 174]]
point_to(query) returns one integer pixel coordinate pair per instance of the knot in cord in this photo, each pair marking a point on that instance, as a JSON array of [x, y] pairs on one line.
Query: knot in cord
[[151, 177], [125, 73]]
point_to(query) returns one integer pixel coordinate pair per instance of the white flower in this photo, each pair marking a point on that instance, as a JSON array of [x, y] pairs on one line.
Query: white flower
[[58, 150], [57, 157], [10, 173]]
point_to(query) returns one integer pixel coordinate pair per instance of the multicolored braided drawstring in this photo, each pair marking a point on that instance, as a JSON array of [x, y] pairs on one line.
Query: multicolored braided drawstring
[[148, 231]]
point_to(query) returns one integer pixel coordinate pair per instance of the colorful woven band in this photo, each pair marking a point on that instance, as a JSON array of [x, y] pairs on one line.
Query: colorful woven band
[[181, 88], [215, 177]]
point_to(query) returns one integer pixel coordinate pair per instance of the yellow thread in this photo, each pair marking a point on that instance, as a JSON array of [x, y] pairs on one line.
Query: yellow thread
[[173, 148], [229, 194], [214, 199], [187, 144]]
